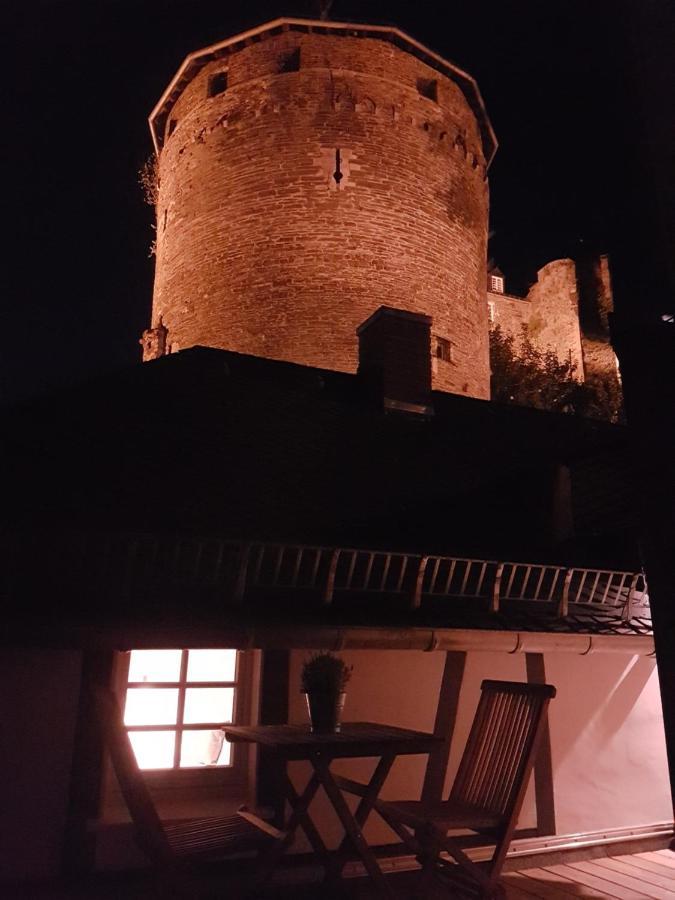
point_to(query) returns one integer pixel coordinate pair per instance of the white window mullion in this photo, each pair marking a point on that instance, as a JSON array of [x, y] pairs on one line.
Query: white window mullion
[[181, 708]]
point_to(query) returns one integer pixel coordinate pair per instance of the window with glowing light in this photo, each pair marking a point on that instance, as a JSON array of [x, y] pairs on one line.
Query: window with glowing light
[[175, 704]]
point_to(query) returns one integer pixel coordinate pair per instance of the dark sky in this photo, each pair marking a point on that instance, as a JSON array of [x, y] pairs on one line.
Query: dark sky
[[82, 78]]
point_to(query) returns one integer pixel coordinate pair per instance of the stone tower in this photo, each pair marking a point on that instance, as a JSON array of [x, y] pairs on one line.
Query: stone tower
[[310, 172]]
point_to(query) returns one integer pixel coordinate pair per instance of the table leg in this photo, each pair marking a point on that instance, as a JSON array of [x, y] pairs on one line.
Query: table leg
[[309, 827], [299, 804], [365, 805], [351, 827]]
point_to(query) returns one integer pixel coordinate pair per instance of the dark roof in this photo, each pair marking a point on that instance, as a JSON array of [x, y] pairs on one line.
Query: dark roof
[[210, 441]]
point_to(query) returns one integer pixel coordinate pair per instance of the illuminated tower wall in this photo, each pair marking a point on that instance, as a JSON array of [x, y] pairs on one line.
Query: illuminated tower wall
[[310, 172]]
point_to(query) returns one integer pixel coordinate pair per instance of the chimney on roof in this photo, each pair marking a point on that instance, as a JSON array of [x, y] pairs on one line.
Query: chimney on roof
[[395, 358]]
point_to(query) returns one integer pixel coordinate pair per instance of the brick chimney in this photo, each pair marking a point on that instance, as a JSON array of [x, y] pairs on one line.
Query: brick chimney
[[395, 358]]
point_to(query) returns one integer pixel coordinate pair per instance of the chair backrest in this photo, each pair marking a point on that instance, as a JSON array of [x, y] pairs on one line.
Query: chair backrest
[[147, 824], [502, 743]]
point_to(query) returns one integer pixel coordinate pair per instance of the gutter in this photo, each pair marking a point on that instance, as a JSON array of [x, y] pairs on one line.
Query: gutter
[[338, 638], [445, 639]]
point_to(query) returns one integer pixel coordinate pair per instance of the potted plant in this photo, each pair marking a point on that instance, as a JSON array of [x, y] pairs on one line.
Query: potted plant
[[324, 678]]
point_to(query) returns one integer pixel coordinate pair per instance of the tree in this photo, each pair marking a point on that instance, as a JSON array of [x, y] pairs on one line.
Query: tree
[[526, 376]]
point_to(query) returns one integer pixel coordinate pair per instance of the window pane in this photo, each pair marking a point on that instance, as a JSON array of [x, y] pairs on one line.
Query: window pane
[[154, 665], [205, 748], [151, 706], [153, 749], [208, 705], [211, 665]]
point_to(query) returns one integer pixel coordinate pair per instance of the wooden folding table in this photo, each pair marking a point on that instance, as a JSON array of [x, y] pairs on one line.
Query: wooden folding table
[[356, 739]]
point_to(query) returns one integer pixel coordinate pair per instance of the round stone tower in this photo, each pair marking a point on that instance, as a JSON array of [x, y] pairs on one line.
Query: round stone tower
[[308, 173]]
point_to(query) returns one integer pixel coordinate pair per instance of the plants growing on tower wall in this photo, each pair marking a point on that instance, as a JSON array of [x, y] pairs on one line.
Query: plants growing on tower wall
[[523, 375]]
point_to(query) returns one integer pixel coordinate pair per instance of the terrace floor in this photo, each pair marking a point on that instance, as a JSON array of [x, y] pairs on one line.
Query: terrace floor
[[628, 877], [623, 877]]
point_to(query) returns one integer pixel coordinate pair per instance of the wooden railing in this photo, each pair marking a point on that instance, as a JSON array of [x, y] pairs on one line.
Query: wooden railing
[[327, 574]]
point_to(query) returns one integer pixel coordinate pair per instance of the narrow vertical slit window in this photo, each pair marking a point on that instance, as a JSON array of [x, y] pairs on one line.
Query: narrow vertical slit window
[[338, 174]]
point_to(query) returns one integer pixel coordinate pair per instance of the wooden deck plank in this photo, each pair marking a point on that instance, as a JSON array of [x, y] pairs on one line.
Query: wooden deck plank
[[666, 880], [593, 867], [663, 857], [517, 893], [563, 884], [599, 882], [641, 862], [534, 887]]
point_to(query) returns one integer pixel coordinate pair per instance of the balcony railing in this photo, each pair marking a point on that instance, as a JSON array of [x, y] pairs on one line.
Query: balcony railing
[[325, 576]]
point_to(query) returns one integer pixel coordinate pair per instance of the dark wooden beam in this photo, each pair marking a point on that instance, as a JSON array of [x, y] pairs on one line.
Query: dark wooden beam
[[543, 765], [444, 726], [274, 687], [84, 796]]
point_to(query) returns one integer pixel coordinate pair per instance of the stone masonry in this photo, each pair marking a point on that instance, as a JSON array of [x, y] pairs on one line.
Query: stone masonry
[[311, 173], [566, 310]]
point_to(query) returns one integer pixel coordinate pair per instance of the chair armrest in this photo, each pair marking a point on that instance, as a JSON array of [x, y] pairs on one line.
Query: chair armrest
[[261, 823]]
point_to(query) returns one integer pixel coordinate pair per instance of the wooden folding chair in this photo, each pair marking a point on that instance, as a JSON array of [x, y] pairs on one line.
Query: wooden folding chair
[[173, 846], [487, 793]]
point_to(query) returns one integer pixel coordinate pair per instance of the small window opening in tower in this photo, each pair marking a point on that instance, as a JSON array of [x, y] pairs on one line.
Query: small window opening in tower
[[442, 348], [496, 284], [290, 62], [491, 312], [338, 174], [428, 87], [171, 127], [217, 84]]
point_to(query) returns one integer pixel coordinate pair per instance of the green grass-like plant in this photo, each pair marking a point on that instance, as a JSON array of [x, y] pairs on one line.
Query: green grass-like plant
[[325, 673]]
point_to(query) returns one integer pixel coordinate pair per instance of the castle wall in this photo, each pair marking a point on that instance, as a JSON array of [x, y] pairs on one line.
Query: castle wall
[[554, 316], [510, 313], [260, 249], [595, 306]]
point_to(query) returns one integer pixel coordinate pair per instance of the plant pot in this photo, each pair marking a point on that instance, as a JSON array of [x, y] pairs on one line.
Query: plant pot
[[325, 711]]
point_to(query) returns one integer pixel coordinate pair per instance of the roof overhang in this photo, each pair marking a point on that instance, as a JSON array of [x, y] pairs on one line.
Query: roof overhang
[[195, 61], [335, 638]]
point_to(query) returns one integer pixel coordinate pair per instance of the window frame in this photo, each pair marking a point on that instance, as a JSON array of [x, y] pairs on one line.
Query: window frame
[[235, 775], [442, 349], [496, 284]]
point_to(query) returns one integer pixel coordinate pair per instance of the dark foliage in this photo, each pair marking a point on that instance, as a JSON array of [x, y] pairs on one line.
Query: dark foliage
[[526, 376]]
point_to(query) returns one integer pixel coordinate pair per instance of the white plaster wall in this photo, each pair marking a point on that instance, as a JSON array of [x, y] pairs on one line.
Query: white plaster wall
[[38, 706], [608, 747], [609, 754]]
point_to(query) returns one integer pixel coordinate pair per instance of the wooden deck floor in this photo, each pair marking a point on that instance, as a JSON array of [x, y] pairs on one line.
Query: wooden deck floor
[[643, 875], [622, 877]]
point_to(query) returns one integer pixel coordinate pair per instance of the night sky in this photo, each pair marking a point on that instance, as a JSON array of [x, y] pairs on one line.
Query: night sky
[[556, 78]]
